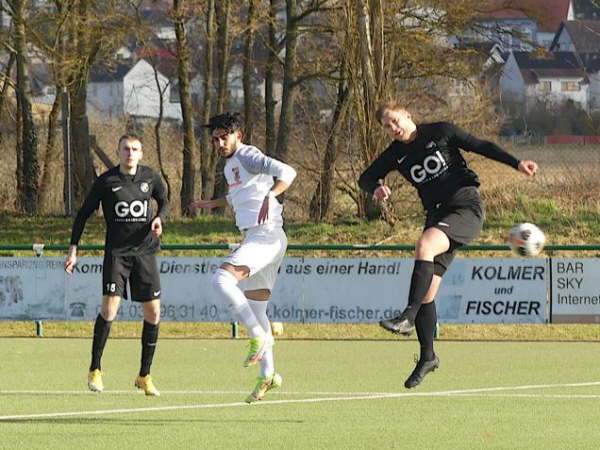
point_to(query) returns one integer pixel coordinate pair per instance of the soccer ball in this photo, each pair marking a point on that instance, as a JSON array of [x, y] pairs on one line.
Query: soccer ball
[[277, 328], [526, 239]]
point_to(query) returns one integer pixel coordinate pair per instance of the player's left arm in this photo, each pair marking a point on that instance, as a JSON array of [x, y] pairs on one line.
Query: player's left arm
[[460, 138], [255, 161], [159, 193]]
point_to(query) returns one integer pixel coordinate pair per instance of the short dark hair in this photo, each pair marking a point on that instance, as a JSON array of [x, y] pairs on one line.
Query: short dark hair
[[227, 121], [129, 137]]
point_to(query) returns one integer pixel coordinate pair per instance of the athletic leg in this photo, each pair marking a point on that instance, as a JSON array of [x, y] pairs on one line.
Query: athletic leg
[[108, 312], [225, 282], [149, 334], [432, 242]]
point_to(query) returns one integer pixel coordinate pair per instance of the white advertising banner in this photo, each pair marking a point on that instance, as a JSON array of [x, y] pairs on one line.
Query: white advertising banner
[[575, 291], [346, 290]]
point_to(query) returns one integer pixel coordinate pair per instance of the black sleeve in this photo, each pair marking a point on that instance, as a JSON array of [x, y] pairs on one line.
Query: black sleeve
[[160, 195], [466, 141], [90, 204], [369, 180]]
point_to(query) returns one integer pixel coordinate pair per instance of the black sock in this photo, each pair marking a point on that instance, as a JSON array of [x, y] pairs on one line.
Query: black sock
[[425, 323], [101, 331], [149, 339], [419, 285]]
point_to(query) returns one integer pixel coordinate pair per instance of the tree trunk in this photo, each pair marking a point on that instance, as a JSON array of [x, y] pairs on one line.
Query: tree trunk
[[208, 157], [189, 141], [223, 44], [5, 84], [247, 74], [29, 141], [157, 138], [270, 103], [321, 199], [83, 174], [52, 150], [286, 116], [81, 158], [369, 99]]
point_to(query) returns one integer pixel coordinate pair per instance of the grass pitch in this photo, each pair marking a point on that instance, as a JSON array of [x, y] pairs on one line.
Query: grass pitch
[[336, 394]]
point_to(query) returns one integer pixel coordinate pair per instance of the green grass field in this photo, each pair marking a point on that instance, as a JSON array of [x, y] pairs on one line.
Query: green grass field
[[336, 394]]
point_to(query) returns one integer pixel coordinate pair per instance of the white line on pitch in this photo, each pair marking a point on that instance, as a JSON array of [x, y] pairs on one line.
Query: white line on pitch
[[567, 396], [306, 400], [222, 392], [205, 392]]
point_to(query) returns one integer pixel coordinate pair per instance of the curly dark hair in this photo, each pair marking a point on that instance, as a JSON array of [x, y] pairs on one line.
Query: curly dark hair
[[227, 121]]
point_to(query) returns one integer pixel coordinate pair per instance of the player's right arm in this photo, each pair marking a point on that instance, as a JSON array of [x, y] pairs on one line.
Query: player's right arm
[[90, 204], [371, 179], [220, 202]]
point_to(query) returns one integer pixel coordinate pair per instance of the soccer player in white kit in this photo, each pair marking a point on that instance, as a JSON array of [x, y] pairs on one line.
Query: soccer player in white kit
[[254, 181]]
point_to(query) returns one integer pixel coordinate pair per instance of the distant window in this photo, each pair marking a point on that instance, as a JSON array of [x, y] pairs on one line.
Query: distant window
[[571, 86], [545, 86]]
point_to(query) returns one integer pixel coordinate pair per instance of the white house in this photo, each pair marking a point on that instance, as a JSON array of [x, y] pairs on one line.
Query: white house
[[552, 78], [591, 63], [130, 91], [516, 25], [581, 36]]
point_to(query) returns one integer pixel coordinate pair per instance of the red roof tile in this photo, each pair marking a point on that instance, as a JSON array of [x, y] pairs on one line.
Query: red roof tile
[[548, 13]]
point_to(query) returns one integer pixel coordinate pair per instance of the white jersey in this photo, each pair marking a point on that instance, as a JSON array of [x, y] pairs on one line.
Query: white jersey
[[249, 174]]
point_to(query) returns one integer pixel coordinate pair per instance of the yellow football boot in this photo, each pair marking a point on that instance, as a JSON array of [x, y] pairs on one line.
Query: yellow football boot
[[95, 383], [264, 385], [146, 384]]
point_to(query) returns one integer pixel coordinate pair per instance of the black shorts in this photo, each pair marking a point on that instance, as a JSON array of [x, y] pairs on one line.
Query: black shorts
[[461, 218], [141, 271]]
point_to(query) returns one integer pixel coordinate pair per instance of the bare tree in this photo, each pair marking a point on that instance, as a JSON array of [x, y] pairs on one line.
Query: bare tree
[[7, 82], [270, 102], [179, 13], [223, 13], [248, 69], [28, 170], [208, 158]]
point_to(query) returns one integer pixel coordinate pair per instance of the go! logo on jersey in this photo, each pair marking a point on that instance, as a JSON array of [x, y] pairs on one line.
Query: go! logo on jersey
[[432, 165], [136, 208]]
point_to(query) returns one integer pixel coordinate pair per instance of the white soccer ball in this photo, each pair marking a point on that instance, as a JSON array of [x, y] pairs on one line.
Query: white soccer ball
[[526, 239], [277, 328]]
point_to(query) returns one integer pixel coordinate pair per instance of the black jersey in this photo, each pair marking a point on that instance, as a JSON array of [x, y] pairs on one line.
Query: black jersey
[[432, 163], [127, 207]]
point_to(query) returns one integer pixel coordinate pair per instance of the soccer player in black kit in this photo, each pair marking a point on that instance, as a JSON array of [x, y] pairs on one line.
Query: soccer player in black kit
[[132, 241], [428, 156]]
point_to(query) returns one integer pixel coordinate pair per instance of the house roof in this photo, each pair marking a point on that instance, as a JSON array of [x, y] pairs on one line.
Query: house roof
[[586, 9], [549, 60], [108, 74], [482, 46], [552, 65], [585, 35], [591, 61], [548, 13]]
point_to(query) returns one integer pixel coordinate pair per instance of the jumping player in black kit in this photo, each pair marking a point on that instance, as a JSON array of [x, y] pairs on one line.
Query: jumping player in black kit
[[132, 241], [428, 156]]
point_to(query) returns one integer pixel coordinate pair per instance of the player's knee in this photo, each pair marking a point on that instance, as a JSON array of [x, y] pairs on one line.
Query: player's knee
[[223, 278], [423, 249], [152, 316]]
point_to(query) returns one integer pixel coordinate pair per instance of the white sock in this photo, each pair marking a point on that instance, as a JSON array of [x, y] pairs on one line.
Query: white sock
[[226, 286], [267, 364]]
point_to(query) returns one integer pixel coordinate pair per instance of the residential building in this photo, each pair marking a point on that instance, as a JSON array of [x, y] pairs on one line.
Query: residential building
[[130, 90], [529, 78]]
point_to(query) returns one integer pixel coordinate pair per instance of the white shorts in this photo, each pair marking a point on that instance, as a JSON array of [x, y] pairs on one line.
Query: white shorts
[[262, 251]]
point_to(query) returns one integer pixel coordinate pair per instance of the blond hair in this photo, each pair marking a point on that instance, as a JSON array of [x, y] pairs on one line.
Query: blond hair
[[390, 105], [129, 137]]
